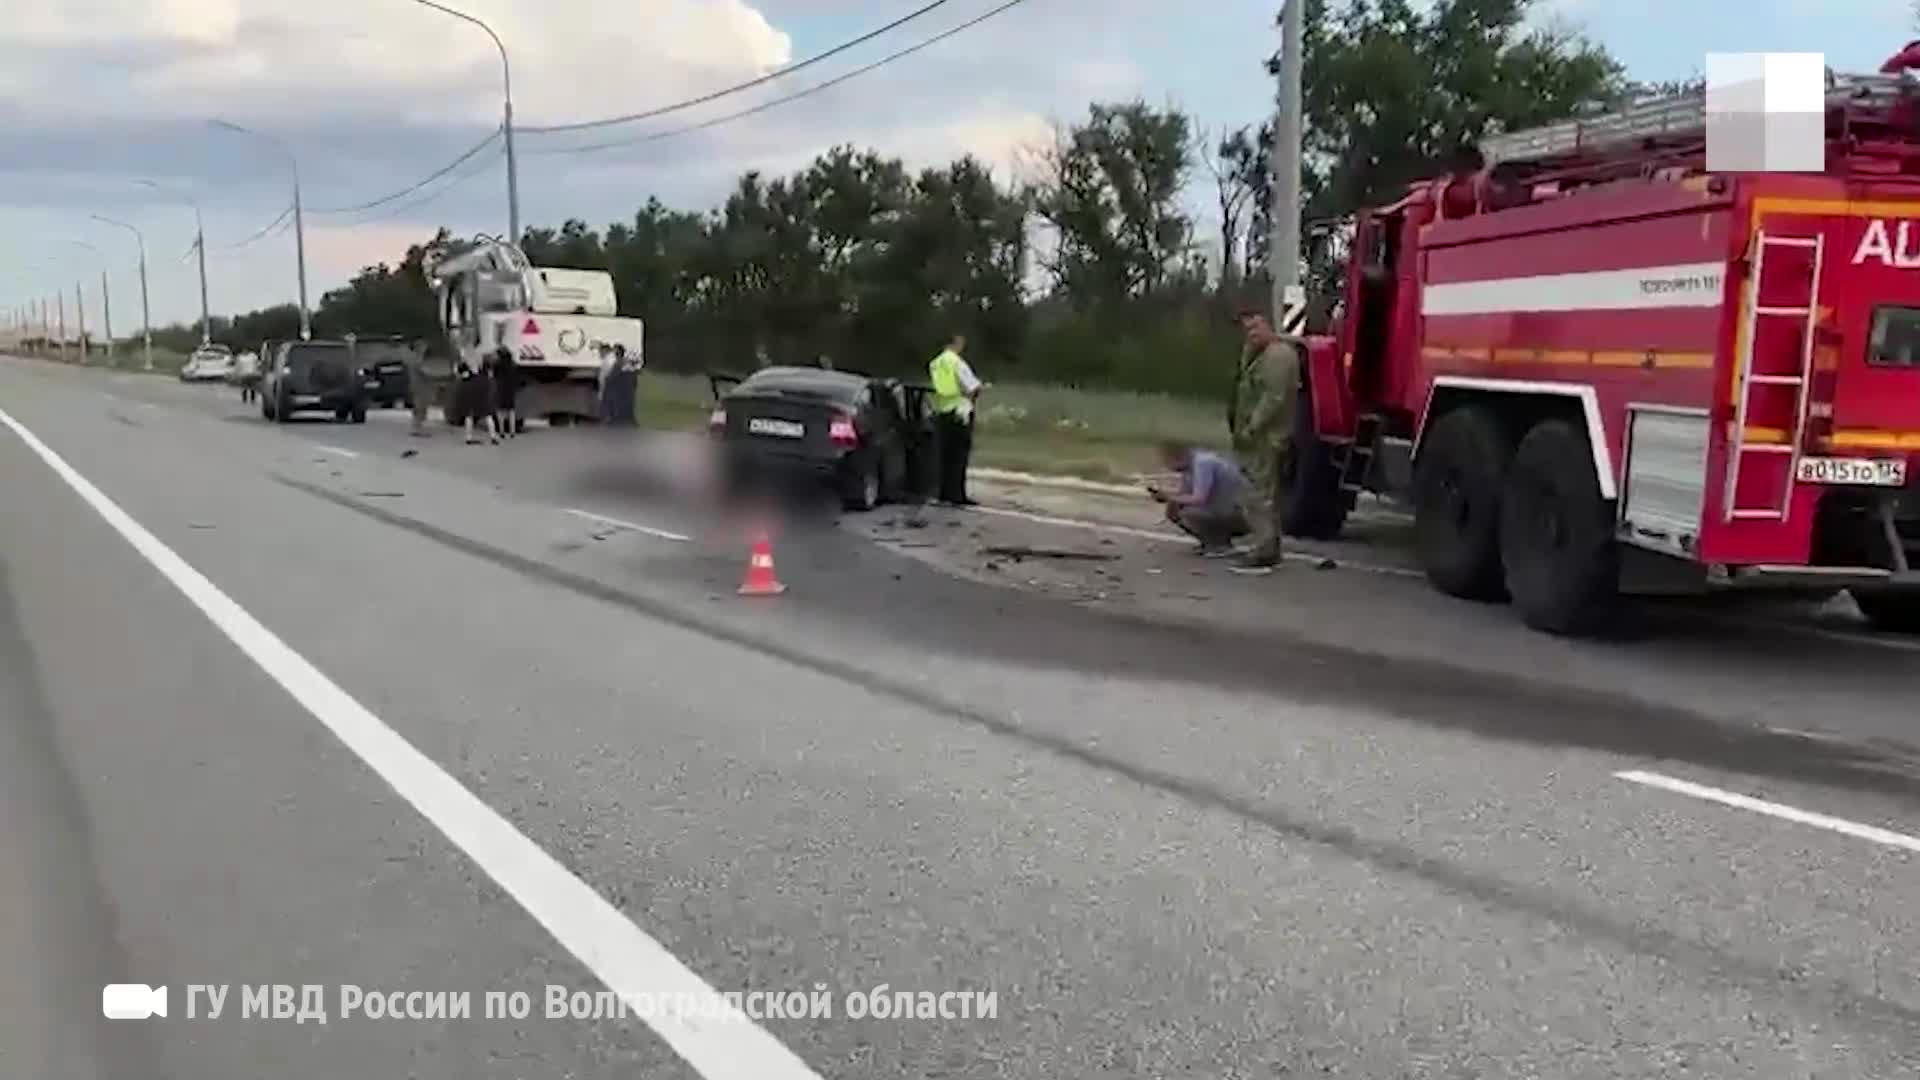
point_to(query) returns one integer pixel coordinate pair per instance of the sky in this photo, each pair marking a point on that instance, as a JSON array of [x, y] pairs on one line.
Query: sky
[[367, 97]]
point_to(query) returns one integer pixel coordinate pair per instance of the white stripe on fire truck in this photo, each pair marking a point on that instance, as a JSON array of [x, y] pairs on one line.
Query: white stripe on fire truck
[[1687, 285]]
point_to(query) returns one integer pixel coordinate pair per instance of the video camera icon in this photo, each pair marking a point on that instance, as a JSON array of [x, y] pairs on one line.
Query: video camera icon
[[132, 1001]]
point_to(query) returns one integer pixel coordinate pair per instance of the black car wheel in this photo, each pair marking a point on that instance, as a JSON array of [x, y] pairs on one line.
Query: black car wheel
[[860, 489], [358, 414]]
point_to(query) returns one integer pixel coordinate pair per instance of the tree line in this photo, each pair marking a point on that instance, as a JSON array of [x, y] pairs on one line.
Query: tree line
[[1091, 269]]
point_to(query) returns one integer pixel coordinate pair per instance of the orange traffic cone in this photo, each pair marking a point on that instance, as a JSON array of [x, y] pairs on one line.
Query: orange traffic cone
[[760, 580]]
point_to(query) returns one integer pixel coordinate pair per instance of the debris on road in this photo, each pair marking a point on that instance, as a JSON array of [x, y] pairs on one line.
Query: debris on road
[[1018, 552]]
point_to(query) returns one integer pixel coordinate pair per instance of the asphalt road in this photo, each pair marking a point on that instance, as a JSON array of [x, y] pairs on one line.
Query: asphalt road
[[282, 706]]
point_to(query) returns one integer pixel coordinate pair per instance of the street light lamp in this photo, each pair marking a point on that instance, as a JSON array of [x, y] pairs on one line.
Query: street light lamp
[[200, 248], [299, 223], [506, 78], [106, 305], [146, 313]]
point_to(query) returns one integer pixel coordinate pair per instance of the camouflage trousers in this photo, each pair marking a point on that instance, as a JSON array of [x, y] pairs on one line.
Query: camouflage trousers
[[1265, 499]]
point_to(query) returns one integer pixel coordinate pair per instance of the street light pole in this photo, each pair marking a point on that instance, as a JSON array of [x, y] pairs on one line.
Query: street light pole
[[106, 303], [299, 222], [146, 313], [506, 79], [200, 249], [80, 313], [1283, 257], [61, 299]]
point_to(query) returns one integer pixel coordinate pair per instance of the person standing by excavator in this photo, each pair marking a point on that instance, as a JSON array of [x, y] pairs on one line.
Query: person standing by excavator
[[1260, 418]]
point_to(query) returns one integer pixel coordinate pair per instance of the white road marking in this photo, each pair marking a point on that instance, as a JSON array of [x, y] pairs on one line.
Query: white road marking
[[1782, 811], [631, 526], [1180, 538], [720, 1044], [341, 451]]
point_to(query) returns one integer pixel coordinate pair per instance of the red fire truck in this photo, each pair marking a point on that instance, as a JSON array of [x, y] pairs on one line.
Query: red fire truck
[[1599, 368]]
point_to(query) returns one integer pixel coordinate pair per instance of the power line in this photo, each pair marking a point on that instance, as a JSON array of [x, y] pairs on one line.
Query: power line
[[480, 167], [796, 96], [259, 235], [782, 73], [418, 184]]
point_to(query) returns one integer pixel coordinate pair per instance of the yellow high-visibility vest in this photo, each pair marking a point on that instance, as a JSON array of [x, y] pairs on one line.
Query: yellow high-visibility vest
[[944, 372]]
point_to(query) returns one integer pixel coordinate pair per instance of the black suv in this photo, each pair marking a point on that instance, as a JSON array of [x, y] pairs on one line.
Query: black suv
[[314, 376], [385, 360]]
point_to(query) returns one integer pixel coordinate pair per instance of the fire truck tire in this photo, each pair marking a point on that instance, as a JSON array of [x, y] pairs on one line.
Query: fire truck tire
[[1896, 611], [1312, 506], [1556, 534], [1457, 488]]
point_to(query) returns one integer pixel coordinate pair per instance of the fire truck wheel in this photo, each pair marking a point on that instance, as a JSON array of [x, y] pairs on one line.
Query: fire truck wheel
[[1556, 534], [1312, 507], [1457, 483], [1896, 611]]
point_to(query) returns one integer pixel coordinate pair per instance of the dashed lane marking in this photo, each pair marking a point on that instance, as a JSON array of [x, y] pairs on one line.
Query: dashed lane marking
[[719, 1042], [631, 526], [339, 451], [1871, 833]]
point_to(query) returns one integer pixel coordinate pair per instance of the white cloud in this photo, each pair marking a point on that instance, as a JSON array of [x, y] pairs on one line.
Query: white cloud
[[376, 58], [377, 93]]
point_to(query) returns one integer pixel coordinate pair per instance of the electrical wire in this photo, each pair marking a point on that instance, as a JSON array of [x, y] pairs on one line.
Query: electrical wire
[[479, 168], [795, 96], [416, 185], [680, 106], [263, 232]]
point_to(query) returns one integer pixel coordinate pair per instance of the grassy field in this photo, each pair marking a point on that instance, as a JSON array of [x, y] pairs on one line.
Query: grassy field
[[1092, 434]]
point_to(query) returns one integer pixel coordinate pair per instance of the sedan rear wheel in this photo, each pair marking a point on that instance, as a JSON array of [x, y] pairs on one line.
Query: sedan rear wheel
[[862, 489]]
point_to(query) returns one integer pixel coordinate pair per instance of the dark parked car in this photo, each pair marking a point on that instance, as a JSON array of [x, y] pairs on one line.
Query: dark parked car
[[314, 376], [865, 438], [385, 361]]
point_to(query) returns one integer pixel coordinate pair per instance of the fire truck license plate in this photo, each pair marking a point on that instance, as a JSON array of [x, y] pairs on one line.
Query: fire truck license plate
[[1868, 472]]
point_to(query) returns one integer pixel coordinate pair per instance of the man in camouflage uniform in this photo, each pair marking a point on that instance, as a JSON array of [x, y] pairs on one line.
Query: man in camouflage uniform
[[1266, 394], [419, 388]]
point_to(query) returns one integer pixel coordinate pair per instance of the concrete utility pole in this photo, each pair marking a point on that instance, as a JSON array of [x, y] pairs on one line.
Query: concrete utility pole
[[146, 313], [106, 315], [299, 221], [80, 313], [106, 304], [200, 249], [1283, 256]]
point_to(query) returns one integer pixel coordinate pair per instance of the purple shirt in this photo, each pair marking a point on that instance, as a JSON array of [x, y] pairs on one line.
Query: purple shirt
[[1215, 482]]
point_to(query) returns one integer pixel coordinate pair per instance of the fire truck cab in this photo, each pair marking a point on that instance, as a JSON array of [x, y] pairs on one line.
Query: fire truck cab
[[1598, 367]]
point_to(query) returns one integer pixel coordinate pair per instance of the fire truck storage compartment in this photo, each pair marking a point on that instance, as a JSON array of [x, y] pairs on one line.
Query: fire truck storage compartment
[[1666, 469]]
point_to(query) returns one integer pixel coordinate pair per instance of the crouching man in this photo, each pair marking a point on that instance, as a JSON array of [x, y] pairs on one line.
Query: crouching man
[[1208, 506]]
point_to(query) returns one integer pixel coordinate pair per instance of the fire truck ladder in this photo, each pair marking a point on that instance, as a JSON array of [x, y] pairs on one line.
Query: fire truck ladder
[[1740, 447], [1672, 116]]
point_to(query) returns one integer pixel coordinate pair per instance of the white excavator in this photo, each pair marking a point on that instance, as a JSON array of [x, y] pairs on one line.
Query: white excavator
[[560, 324]]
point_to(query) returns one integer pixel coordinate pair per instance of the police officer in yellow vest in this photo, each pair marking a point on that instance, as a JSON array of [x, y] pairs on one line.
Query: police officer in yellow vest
[[955, 391]]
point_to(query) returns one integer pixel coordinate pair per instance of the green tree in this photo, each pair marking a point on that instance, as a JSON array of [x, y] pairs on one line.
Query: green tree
[[1393, 90], [382, 300], [1112, 193]]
